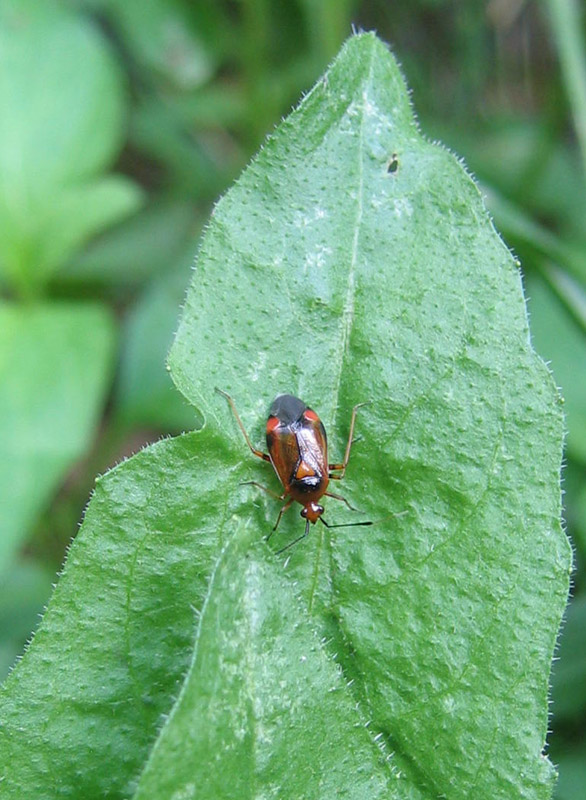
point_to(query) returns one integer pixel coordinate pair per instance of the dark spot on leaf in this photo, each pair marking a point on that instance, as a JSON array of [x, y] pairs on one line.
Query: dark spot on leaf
[[393, 164]]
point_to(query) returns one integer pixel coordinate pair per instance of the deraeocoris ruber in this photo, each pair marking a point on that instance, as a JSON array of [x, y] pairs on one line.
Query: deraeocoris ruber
[[298, 450]]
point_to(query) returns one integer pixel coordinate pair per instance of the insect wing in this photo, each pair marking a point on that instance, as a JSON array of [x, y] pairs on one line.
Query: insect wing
[[283, 451], [312, 443]]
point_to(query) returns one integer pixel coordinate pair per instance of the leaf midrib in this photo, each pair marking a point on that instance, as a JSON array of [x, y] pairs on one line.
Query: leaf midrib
[[348, 312], [346, 331]]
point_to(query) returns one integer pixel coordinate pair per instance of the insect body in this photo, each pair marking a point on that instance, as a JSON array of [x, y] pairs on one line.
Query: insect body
[[298, 450]]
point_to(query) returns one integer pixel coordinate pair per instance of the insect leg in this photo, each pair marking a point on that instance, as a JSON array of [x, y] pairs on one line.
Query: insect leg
[[342, 499], [298, 539], [287, 505], [264, 488], [258, 453], [344, 463]]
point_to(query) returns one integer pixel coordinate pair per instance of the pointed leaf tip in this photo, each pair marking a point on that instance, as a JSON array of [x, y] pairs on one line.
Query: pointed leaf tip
[[354, 260]]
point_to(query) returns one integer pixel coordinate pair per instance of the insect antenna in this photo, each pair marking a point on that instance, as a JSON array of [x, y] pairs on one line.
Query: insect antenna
[[321, 519], [365, 522], [347, 524], [339, 525]]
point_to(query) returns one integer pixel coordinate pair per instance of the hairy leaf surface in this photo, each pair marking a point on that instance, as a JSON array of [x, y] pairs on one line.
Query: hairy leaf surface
[[352, 261]]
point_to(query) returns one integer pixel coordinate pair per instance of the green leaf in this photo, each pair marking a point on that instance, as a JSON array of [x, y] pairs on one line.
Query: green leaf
[[145, 392], [62, 125], [159, 129], [262, 695], [138, 248], [75, 215], [116, 640], [55, 365], [163, 40], [325, 274]]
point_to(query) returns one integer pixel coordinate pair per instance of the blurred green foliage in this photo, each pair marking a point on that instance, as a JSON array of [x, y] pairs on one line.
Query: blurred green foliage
[[123, 121]]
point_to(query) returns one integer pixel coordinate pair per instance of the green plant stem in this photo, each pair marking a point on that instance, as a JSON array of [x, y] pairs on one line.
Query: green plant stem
[[568, 292], [256, 66], [567, 29], [328, 23]]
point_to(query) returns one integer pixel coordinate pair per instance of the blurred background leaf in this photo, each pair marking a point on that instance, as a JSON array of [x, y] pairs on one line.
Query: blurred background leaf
[[61, 95], [55, 368], [123, 121]]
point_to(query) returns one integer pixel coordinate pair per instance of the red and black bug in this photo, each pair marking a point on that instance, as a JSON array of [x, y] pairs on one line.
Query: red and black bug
[[298, 450]]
